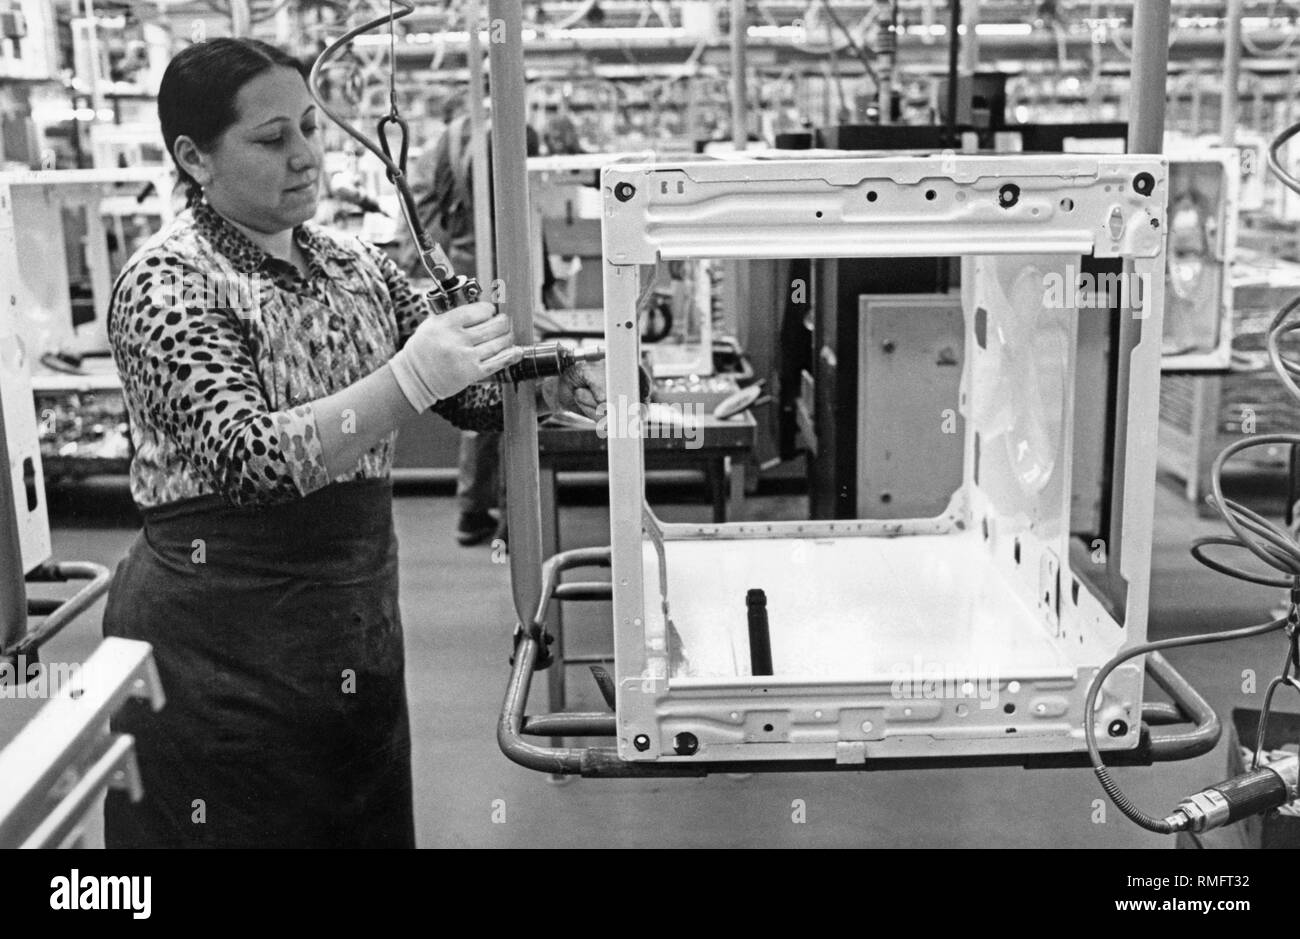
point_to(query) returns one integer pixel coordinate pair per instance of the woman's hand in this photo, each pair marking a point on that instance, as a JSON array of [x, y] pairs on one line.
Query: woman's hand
[[580, 389], [450, 351]]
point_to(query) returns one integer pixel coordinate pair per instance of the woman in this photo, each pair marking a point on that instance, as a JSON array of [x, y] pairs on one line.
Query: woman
[[266, 365]]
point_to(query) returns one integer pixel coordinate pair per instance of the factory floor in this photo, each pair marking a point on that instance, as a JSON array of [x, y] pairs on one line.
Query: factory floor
[[457, 618]]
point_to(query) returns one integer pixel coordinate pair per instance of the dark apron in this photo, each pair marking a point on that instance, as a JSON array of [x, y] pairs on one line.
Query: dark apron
[[278, 640]]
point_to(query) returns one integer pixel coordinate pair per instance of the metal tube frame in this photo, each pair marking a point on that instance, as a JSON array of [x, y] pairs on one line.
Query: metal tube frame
[[16, 608], [1228, 112], [59, 614], [532, 653], [970, 40], [510, 178], [739, 87], [71, 732]]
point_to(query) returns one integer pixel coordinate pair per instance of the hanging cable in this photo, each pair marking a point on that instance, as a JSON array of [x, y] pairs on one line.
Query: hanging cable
[[1161, 826], [449, 289], [1279, 551], [256, 16], [1275, 161], [433, 259], [1292, 660]]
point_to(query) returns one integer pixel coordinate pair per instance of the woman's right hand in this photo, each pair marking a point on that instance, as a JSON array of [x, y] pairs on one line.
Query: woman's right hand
[[452, 350]]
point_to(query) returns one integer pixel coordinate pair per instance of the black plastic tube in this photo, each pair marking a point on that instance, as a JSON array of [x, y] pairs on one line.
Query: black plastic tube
[[760, 637]]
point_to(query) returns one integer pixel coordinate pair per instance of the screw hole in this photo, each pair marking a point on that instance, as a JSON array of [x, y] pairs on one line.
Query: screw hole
[[819, 215], [1067, 205], [768, 728], [1009, 708], [686, 744], [930, 195], [871, 196]]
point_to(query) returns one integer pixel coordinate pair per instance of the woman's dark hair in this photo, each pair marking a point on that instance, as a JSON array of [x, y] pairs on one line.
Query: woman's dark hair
[[196, 98]]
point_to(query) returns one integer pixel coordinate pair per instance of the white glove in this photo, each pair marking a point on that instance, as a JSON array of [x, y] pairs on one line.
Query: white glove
[[451, 351]]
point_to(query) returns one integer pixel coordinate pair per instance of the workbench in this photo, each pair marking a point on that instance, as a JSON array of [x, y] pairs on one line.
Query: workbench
[[719, 449]]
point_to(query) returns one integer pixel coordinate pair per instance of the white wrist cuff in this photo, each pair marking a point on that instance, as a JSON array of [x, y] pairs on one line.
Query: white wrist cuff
[[408, 379]]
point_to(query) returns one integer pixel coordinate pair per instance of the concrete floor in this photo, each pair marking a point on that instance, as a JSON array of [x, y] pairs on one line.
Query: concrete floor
[[458, 622]]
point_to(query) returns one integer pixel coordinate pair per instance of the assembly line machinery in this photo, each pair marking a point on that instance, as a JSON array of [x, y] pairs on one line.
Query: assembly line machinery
[[1010, 628], [990, 633], [972, 634], [994, 589], [56, 768]]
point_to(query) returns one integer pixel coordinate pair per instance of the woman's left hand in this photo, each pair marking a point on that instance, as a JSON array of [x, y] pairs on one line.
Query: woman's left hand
[[580, 389]]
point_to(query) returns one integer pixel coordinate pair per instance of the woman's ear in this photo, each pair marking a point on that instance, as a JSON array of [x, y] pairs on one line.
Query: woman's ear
[[193, 160]]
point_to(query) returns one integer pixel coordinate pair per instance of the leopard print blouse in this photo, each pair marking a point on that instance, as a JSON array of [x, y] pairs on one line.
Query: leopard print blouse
[[222, 348]]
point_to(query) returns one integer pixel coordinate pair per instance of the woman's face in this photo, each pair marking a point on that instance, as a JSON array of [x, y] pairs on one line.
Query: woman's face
[[265, 169]]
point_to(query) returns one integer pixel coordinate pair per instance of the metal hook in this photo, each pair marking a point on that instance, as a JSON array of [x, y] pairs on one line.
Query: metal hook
[[405, 134]]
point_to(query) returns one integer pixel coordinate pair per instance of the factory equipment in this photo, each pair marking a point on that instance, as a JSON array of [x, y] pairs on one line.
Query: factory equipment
[[909, 369], [53, 772], [23, 514], [1205, 194], [1204, 191], [838, 395], [1267, 784], [28, 40], [448, 289], [128, 145], [565, 208], [973, 633], [65, 234], [849, 427], [992, 632]]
